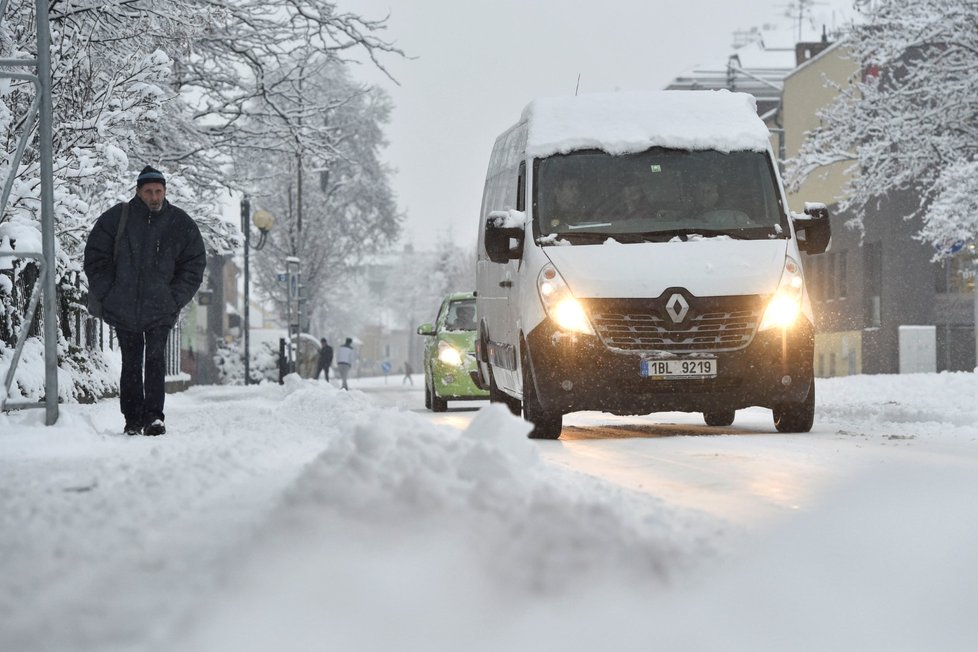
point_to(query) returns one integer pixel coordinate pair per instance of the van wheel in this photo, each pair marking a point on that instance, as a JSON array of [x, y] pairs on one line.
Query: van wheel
[[546, 424], [719, 418], [796, 417], [497, 395], [427, 395]]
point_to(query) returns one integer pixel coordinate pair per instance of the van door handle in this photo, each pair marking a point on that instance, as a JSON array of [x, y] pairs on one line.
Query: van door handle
[[505, 284]]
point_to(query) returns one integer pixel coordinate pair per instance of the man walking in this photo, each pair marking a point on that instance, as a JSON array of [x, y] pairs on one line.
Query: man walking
[[143, 283], [325, 358], [344, 360]]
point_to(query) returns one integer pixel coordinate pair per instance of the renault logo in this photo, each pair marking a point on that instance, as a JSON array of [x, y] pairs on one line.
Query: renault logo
[[677, 307]]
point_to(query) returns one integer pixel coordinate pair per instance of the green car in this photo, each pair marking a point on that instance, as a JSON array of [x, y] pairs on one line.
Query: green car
[[449, 354]]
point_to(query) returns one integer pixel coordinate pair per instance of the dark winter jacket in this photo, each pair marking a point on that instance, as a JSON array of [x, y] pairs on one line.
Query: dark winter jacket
[[159, 268], [325, 356]]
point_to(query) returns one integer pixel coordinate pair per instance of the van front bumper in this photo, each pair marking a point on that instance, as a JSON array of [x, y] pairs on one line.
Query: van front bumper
[[578, 372]]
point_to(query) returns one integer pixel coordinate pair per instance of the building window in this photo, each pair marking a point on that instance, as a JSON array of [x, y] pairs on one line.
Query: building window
[[872, 282], [815, 287], [843, 279], [956, 275], [828, 287]]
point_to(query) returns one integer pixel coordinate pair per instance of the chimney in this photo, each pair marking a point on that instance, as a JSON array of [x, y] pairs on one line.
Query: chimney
[[810, 49]]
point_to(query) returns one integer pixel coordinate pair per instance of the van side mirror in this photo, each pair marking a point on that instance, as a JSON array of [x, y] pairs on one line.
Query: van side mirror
[[426, 329], [815, 231], [504, 236]]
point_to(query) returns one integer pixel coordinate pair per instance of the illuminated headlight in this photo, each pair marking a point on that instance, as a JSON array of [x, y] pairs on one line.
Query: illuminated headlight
[[785, 306], [449, 354], [566, 311]]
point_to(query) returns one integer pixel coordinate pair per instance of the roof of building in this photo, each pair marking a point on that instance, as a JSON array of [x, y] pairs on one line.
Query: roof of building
[[765, 57]]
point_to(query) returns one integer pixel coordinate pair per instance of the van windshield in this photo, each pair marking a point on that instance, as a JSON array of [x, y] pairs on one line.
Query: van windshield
[[655, 195]]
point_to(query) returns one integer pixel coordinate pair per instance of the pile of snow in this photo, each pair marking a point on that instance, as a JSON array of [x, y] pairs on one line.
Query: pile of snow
[[301, 517], [627, 122]]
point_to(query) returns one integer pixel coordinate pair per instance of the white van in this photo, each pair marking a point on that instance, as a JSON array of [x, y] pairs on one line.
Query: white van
[[636, 255]]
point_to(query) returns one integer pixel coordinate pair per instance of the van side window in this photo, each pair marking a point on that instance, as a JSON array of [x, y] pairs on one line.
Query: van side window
[[521, 188]]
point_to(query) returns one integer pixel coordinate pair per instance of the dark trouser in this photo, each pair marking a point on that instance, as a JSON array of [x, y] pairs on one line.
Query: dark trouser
[[325, 370], [142, 402]]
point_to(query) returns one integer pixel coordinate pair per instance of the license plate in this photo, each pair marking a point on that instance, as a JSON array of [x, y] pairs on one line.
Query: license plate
[[679, 368]]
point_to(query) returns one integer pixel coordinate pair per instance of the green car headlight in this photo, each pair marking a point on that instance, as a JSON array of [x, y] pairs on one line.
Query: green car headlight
[[449, 355]]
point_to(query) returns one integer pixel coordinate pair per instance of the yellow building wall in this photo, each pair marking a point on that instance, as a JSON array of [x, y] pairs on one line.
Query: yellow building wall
[[838, 354], [805, 93]]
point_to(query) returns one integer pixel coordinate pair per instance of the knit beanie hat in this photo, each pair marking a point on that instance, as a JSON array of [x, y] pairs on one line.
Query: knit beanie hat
[[150, 175]]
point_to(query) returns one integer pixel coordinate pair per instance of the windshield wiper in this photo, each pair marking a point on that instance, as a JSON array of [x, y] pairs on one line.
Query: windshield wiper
[[685, 233], [588, 237]]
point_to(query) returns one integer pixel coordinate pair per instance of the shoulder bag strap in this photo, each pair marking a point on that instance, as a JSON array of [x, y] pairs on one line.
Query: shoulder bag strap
[[121, 230]]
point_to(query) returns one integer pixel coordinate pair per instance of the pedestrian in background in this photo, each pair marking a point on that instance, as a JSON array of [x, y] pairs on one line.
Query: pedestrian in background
[[142, 282], [325, 359], [344, 360], [407, 373]]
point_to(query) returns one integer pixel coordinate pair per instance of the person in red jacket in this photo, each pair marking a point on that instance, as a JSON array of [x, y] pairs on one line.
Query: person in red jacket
[[142, 285]]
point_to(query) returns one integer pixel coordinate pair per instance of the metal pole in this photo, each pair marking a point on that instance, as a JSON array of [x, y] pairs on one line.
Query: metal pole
[[246, 229], [47, 214], [298, 202]]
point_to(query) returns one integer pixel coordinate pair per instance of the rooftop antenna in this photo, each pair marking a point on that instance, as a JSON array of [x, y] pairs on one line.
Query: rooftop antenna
[[800, 10], [578, 87]]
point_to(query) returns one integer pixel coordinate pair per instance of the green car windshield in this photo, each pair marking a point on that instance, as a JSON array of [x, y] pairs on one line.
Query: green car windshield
[[460, 316], [587, 196]]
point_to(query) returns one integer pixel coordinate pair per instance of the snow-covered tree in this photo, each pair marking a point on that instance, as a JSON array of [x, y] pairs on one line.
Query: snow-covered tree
[[182, 84], [348, 209], [910, 121]]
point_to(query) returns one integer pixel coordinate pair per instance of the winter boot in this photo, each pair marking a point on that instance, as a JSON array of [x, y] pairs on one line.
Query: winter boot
[[155, 429], [132, 429]]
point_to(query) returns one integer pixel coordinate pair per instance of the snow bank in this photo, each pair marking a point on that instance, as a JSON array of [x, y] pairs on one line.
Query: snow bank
[[902, 406], [463, 522]]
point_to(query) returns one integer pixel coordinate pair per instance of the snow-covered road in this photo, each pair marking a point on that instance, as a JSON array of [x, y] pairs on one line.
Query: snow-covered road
[[301, 517], [746, 473]]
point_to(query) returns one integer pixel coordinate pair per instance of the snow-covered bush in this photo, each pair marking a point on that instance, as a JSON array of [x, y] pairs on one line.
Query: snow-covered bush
[[263, 366]]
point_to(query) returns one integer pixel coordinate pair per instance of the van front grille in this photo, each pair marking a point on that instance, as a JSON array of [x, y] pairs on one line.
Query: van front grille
[[710, 324]]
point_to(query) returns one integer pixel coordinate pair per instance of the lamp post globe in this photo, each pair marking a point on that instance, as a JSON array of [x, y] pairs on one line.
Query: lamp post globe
[[262, 220]]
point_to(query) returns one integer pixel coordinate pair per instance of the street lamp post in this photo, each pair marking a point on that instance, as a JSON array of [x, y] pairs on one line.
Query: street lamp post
[[263, 220]]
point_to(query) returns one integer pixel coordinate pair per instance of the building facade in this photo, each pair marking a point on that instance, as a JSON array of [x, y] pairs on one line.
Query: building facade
[[879, 298]]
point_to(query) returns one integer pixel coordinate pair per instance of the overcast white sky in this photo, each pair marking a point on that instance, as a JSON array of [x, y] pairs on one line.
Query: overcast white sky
[[477, 64]]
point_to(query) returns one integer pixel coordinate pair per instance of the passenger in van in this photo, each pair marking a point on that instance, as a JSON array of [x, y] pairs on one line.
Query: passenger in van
[[706, 195], [567, 201], [707, 206], [634, 202]]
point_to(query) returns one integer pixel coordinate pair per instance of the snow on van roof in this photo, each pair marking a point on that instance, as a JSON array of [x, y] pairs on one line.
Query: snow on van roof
[[620, 123]]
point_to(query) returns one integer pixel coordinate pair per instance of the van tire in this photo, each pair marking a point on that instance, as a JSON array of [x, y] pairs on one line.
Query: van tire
[[546, 424], [796, 417], [427, 395], [496, 395], [719, 417]]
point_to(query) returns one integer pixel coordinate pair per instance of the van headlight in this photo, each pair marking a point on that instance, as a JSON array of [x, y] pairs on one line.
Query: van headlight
[[784, 307], [449, 354], [561, 306]]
